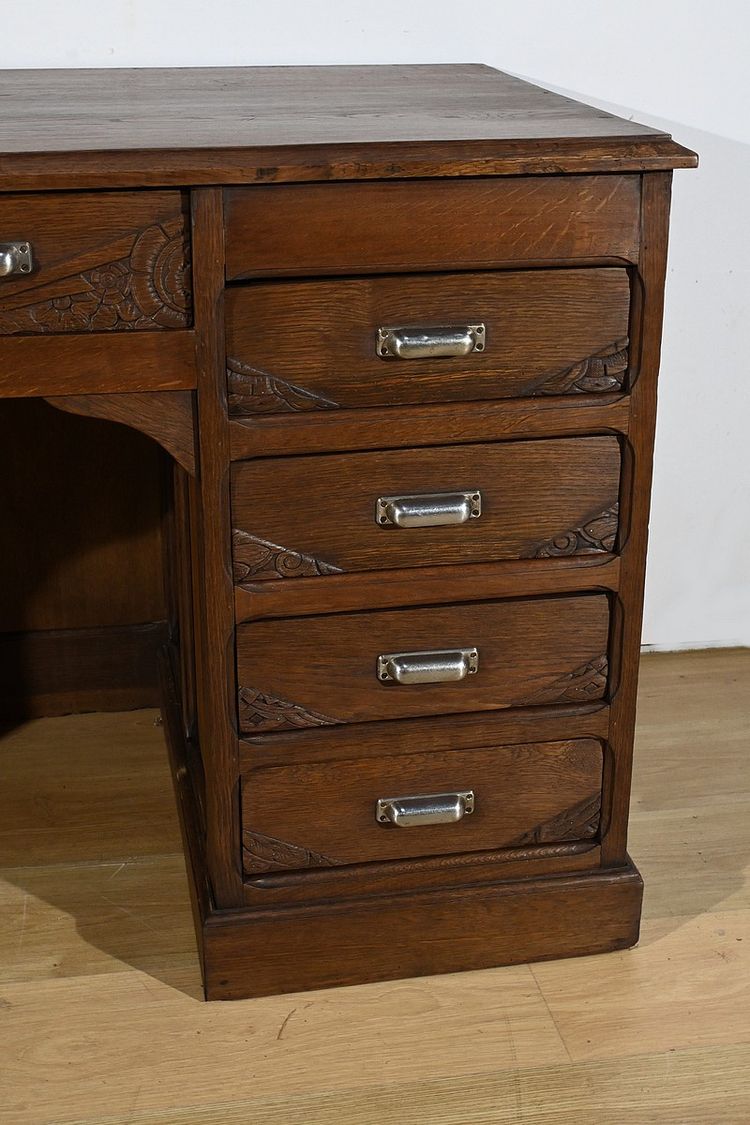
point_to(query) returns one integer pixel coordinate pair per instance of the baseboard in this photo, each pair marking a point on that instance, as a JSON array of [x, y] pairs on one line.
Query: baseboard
[[62, 671]]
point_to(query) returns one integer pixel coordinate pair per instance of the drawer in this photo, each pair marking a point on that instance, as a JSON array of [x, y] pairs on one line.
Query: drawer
[[325, 813], [100, 261], [378, 227], [317, 345], [370, 511], [313, 671]]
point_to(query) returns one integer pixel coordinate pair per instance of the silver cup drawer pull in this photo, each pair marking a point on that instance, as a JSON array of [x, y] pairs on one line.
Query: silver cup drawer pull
[[15, 258], [420, 342], [428, 667], [435, 510], [418, 812]]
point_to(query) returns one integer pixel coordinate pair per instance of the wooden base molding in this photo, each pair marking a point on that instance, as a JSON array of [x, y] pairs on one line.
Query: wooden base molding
[[262, 953]]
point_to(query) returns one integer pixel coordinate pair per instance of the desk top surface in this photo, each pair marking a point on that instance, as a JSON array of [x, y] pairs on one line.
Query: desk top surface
[[143, 127]]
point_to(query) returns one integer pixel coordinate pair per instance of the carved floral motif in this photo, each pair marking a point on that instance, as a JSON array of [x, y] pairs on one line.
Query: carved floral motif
[[596, 534], [265, 853], [579, 822], [587, 682], [603, 371], [148, 289], [257, 558], [259, 711], [251, 391]]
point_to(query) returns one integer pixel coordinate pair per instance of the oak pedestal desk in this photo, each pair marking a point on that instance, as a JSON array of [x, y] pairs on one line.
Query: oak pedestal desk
[[398, 328]]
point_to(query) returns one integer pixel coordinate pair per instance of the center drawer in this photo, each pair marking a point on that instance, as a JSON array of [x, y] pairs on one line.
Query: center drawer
[[393, 664], [304, 516], [325, 813]]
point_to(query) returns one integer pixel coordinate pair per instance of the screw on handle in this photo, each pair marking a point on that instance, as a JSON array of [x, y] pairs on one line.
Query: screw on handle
[[16, 259]]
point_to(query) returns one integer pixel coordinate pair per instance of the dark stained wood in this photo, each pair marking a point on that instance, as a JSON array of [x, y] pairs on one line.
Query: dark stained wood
[[85, 364], [102, 262], [404, 875], [166, 416], [213, 608], [192, 824], [60, 671], [467, 731], [299, 347], [315, 814], [426, 585], [304, 516], [323, 670], [79, 523], [179, 583], [254, 954], [437, 423], [490, 729], [306, 164], [456, 224], [213, 125]]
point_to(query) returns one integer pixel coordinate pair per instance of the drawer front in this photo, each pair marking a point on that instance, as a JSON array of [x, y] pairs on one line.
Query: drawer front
[[313, 671], [325, 813], [317, 345], [104, 261], [448, 224], [304, 516]]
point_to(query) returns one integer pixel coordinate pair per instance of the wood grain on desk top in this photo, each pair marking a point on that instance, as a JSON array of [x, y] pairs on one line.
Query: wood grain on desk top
[[213, 125]]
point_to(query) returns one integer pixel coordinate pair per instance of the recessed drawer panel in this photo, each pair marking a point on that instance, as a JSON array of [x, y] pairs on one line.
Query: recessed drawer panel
[[386, 341], [305, 516], [448, 224], [94, 262], [325, 813], [357, 667]]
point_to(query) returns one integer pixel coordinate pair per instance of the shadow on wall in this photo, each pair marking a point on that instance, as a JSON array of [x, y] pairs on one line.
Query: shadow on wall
[[697, 584]]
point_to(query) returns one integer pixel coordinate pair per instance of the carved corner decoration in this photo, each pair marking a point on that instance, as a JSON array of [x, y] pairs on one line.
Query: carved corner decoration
[[585, 683], [597, 534], [251, 391], [265, 853], [579, 822], [260, 559], [598, 373], [259, 711], [166, 416], [148, 289]]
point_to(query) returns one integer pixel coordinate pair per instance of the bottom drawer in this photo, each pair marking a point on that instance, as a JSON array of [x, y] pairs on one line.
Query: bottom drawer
[[363, 810]]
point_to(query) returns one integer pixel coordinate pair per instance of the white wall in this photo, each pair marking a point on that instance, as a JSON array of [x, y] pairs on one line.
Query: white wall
[[678, 64]]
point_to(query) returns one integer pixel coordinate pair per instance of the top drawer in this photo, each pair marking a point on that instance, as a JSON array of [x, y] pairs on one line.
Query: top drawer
[[99, 261], [430, 224], [318, 345]]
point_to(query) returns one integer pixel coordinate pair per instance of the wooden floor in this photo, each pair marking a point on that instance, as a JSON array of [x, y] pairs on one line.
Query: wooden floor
[[100, 1016]]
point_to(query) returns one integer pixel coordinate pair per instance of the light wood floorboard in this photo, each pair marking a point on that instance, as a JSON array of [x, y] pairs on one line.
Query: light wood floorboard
[[100, 1016]]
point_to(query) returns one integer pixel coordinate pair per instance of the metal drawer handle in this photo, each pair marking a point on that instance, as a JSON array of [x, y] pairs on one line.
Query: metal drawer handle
[[428, 667], [435, 510], [417, 812], [430, 343], [15, 258]]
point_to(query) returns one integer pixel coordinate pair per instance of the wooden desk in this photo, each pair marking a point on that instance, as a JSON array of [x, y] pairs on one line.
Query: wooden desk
[[398, 328]]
